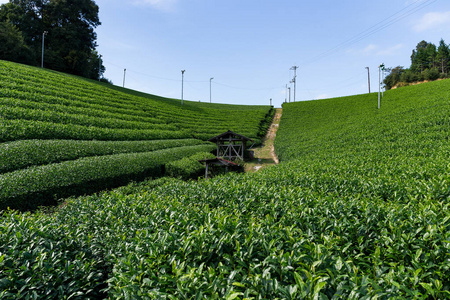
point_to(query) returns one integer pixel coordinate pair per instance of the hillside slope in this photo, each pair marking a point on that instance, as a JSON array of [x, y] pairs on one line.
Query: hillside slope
[[62, 135], [358, 208]]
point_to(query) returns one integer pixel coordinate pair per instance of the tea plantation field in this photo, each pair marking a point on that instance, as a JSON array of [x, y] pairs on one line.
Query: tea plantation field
[[62, 135], [358, 208]]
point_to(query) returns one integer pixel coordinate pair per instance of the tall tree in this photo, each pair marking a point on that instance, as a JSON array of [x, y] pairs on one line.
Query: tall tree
[[394, 77], [71, 40], [26, 15], [443, 56], [431, 56], [419, 57], [71, 37], [12, 45]]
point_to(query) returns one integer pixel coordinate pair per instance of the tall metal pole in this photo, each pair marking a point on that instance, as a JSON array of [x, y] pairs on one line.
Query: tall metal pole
[[270, 101], [368, 77], [182, 85], [294, 80], [289, 94], [379, 86], [285, 96], [99, 66], [210, 80], [43, 39], [380, 68], [124, 72]]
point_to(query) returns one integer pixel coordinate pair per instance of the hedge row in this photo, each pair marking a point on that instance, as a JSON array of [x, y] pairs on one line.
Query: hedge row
[[22, 154], [34, 186], [188, 167], [12, 130]]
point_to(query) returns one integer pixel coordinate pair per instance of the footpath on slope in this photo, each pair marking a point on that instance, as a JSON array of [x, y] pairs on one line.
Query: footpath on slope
[[265, 155]]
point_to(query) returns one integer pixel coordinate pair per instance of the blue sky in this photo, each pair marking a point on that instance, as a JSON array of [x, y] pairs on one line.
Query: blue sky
[[249, 46]]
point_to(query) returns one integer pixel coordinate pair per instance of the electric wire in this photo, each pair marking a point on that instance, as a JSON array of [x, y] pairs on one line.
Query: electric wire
[[389, 21], [373, 29]]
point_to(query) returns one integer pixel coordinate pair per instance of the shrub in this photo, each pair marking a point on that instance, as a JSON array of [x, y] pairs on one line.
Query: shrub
[[188, 167]]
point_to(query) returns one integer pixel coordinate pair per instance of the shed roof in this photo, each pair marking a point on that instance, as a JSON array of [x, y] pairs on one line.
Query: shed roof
[[228, 134]]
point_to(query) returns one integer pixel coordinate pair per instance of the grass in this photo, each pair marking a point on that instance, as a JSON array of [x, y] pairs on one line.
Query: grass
[[265, 155]]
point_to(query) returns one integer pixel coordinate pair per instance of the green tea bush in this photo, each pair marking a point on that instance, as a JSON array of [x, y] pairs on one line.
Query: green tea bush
[[32, 94], [42, 110], [40, 261], [34, 186], [22, 154], [358, 208], [188, 167]]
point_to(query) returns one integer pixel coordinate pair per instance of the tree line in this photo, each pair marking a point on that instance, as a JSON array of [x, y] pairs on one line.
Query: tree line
[[428, 62], [68, 26]]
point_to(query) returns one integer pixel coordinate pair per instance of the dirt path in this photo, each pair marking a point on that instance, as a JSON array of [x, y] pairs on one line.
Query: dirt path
[[265, 155]]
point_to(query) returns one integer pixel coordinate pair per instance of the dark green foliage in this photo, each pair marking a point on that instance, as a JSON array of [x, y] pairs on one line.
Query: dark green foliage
[[70, 41], [431, 74], [266, 122], [188, 167], [34, 186], [443, 56], [427, 63], [12, 45], [395, 76], [22, 154], [40, 261]]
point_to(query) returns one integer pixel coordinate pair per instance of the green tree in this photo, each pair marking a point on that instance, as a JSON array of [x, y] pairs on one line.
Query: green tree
[[431, 74], [12, 45], [443, 56], [394, 77], [420, 57], [26, 16], [71, 39], [431, 56]]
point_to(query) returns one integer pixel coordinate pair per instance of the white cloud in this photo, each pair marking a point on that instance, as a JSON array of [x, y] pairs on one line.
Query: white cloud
[[432, 20], [164, 5], [390, 51], [322, 96], [370, 48], [3, 1]]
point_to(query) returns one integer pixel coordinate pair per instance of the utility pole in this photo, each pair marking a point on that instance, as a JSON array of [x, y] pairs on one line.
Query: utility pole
[[182, 85], [285, 96], [124, 72], [99, 66], [289, 94], [43, 39], [270, 101], [368, 77], [379, 86], [380, 67], [294, 80], [210, 80]]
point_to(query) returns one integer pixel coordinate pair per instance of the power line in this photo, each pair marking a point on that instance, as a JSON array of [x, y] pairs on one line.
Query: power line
[[248, 89], [403, 13]]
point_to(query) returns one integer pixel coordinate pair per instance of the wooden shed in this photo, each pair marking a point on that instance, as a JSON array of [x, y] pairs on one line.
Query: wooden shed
[[231, 145]]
